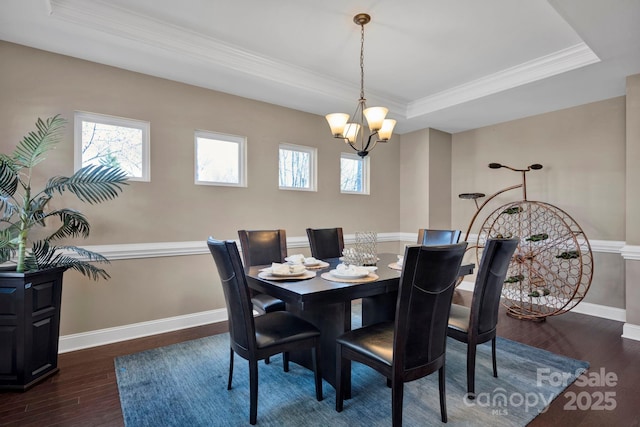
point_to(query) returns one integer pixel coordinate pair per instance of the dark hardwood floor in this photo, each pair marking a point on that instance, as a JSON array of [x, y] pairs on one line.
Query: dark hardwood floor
[[84, 392]]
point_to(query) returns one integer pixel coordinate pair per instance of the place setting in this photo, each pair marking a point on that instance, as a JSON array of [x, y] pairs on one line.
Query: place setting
[[286, 271], [397, 265], [310, 263], [349, 273]]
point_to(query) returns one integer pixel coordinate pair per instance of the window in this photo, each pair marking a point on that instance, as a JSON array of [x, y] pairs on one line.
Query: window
[[354, 174], [297, 167], [112, 141], [220, 159]]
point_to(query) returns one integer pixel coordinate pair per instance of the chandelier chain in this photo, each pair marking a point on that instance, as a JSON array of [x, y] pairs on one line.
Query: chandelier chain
[[362, 61]]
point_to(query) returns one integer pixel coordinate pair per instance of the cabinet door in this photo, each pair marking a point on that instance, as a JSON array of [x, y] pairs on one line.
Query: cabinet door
[[43, 301], [29, 327], [11, 339]]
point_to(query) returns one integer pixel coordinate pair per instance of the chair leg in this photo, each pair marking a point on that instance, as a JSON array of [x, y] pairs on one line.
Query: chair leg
[[443, 394], [340, 366], [397, 392], [285, 361], [317, 371], [253, 391], [471, 370], [267, 361], [230, 368], [493, 357]]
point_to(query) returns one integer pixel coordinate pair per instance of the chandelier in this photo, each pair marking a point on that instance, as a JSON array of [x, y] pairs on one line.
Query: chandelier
[[353, 132]]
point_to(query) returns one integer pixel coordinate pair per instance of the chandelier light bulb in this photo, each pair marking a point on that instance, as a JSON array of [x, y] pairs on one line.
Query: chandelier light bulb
[[351, 132], [375, 116], [337, 122], [386, 130]]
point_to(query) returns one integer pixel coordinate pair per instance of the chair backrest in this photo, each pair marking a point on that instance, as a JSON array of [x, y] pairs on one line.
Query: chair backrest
[[494, 265], [426, 289], [326, 242], [438, 237], [236, 294], [261, 247]]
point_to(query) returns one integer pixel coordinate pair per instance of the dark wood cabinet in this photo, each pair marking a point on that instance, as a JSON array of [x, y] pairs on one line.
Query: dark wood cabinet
[[29, 326]]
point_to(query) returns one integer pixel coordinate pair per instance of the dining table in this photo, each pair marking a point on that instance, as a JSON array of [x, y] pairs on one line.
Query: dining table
[[325, 301]]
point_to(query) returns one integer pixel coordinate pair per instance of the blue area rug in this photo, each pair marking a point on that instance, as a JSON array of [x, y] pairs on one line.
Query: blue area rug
[[186, 385]]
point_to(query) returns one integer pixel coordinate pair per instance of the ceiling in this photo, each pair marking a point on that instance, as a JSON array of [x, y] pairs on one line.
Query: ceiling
[[450, 65]]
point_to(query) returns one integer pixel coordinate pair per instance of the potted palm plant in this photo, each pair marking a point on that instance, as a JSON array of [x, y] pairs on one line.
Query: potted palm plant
[[32, 268]]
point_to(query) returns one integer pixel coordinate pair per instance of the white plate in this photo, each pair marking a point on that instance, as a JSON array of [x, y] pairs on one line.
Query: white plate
[[306, 264], [302, 273], [336, 273]]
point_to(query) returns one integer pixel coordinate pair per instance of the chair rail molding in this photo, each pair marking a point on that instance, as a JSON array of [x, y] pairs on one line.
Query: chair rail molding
[[186, 248], [630, 252]]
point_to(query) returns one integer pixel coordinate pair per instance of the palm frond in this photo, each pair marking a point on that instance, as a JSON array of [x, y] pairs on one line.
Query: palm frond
[[44, 255], [84, 268], [86, 254], [40, 256], [23, 208], [8, 177], [91, 184], [36, 211], [7, 208], [33, 147], [7, 245], [74, 224]]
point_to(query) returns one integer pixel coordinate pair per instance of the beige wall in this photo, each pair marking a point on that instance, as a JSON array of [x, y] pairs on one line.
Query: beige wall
[[633, 159], [414, 181], [633, 200], [171, 208], [582, 150], [439, 180], [425, 180]]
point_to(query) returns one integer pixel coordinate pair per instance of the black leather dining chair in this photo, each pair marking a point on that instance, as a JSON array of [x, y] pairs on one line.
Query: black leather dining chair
[[261, 247], [438, 237], [256, 338], [414, 345], [325, 242], [477, 324]]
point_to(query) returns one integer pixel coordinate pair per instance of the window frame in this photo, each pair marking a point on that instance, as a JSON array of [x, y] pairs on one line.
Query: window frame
[[241, 141], [313, 165], [105, 119], [366, 169]]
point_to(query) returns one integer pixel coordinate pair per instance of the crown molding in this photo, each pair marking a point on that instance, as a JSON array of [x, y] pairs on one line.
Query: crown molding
[[540, 68], [173, 42]]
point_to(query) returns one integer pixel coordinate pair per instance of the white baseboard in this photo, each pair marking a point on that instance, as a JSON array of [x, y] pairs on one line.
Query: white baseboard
[[143, 329], [603, 311], [138, 330], [597, 310], [631, 332], [99, 337]]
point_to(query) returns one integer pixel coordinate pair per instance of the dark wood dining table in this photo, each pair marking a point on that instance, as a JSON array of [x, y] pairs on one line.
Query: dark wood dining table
[[327, 305]]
